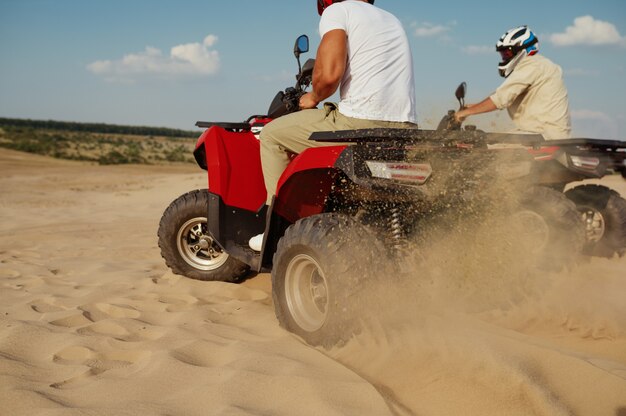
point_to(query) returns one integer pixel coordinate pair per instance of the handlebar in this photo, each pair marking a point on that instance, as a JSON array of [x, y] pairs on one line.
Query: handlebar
[[288, 101], [448, 122]]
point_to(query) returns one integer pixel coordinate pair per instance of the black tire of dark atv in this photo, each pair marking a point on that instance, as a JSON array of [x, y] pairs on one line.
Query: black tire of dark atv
[[612, 207], [342, 250], [194, 204], [566, 232]]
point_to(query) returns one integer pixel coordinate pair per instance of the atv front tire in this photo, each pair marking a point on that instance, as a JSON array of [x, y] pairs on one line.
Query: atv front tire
[[188, 248], [549, 228], [604, 215], [320, 267]]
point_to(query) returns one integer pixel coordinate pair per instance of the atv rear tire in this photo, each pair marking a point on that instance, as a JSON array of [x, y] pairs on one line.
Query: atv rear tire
[[604, 215], [550, 229], [186, 245], [320, 267]]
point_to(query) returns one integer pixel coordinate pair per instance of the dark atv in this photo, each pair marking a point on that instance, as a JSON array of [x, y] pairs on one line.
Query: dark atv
[[563, 162], [341, 210]]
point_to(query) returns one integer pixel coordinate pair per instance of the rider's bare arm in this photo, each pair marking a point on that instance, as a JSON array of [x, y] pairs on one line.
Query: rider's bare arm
[[330, 64], [484, 106]]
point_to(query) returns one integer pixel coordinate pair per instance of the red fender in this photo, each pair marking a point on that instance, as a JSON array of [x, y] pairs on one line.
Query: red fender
[[234, 168], [307, 181]]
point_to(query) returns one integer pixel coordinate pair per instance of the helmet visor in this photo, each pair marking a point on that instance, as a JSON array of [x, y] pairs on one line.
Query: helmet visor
[[506, 54]]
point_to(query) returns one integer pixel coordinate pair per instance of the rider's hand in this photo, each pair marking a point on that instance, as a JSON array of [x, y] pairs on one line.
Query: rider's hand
[[308, 101], [460, 116]]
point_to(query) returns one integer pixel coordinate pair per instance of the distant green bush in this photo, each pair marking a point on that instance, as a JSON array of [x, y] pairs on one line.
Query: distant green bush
[[113, 158], [102, 147], [95, 127], [177, 154]]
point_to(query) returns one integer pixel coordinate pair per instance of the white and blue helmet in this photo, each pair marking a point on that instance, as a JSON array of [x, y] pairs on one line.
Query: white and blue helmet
[[513, 46]]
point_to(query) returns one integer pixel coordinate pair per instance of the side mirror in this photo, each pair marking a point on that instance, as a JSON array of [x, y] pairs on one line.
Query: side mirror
[[460, 93], [301, 46]]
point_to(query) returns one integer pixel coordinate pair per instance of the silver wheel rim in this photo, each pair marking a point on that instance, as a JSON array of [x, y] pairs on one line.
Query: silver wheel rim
[[197, 247], [595, 226], [534, 227], [306, 290]]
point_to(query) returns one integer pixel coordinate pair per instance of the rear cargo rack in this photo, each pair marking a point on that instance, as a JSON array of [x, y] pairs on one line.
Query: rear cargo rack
[[225, 125], [387, 135], [228, 125], [394, 135]]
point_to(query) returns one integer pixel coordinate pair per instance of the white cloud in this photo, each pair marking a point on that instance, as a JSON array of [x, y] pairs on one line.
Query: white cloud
[[589, 31], [210, 41], [425, 29], [187, 59], [478, 50]]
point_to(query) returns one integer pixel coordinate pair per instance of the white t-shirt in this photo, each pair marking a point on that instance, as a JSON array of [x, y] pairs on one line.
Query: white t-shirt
[[378, 83]]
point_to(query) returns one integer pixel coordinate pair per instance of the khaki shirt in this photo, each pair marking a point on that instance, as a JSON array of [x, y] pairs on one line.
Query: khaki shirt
[[536, 98]]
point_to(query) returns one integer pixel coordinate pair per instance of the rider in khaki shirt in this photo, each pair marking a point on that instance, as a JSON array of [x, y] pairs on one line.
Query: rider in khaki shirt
[[534, 94]]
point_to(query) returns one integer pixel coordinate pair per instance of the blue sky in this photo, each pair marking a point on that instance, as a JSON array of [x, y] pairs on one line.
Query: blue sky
[[172, 62]]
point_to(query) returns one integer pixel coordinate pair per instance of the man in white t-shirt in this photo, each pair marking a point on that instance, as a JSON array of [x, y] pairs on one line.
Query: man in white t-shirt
[[366, 54], [533, 92]]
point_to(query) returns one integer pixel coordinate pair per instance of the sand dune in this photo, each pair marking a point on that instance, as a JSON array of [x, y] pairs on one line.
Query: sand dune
[[93, 323]]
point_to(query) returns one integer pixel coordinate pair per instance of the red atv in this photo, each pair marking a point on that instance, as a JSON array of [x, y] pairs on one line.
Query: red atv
[[340, 211]]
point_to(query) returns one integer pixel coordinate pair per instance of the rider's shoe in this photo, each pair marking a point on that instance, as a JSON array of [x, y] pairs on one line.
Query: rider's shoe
[[256, 242]]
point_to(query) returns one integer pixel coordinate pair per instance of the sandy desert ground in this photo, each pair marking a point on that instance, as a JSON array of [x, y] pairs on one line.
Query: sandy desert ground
[[93, 323]]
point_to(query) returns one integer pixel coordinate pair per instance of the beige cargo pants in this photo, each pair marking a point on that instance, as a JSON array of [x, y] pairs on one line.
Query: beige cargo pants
[[290, 134]]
